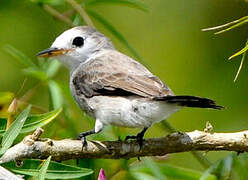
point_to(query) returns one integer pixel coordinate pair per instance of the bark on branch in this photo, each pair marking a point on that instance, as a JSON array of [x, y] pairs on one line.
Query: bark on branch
[[33, 147]]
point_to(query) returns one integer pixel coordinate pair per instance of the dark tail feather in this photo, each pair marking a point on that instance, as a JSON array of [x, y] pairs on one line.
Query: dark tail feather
[[191, 101]]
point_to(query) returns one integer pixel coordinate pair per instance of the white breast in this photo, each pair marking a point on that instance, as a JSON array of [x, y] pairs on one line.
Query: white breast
[[131, 111]]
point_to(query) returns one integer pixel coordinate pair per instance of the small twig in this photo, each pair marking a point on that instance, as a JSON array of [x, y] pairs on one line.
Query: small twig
[[67, 149], [57, 15], [81, 11]]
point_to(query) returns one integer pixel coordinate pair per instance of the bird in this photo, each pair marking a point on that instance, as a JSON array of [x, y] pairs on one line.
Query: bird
[[112, 87]]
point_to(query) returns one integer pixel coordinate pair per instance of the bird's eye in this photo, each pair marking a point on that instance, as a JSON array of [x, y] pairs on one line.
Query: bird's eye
[[78, 41]]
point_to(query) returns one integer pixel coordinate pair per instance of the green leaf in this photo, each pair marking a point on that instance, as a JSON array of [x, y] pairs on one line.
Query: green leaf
[[226, 25], [173, 172], [33, 121], [226, 167], [43, 169], [142, 176], [212, 169], [117, 34], [55, 94], [130, 3], [77, 20], [53, 67], [3, 124], [22, 58], [13, 131], [241, 64], [154, 169], [232, 27], [240, 52], [36, 73], [55, 170]]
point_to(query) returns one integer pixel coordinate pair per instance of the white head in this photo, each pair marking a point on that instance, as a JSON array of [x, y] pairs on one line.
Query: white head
[[76, 45]]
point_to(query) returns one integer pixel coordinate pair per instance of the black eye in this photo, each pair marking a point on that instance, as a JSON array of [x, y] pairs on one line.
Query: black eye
[[78, 41]]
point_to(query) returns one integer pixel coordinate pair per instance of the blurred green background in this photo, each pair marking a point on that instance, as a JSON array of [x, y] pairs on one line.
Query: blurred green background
[[173, 47]]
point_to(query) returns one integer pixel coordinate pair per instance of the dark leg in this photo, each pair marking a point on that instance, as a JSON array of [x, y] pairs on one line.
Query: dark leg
[[82, 136], [138, 137]]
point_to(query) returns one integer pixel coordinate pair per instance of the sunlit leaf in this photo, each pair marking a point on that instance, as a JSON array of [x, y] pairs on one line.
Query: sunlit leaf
[[55, 170], [240, 52], [13, 131], [130, 3], [43, 169], [53, 67], [112, 29], [23, 59], [36, 73], [33, 121], [241, 65], [232, 27], [226, 25], [55, 94]]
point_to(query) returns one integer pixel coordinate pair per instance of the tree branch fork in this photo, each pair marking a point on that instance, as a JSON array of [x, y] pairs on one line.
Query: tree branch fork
[[32, 146]]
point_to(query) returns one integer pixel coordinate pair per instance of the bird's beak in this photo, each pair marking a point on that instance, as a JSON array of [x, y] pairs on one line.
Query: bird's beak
[[50, 52]]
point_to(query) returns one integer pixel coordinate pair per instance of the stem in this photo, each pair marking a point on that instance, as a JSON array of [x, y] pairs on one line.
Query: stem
[[81, 11]]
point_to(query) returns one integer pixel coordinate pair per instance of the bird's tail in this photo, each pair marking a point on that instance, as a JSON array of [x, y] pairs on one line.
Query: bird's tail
[[191, 101]]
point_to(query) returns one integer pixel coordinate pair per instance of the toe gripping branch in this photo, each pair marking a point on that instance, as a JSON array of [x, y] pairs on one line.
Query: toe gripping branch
[[139, 137], [82, 136]]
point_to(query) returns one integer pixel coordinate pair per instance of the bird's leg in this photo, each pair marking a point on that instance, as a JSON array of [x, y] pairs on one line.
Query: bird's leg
[[82, 136], [138, 137]]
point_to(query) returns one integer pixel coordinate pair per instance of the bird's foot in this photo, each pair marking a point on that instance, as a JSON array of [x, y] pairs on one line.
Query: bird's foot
[[82, 137], [139, 137]]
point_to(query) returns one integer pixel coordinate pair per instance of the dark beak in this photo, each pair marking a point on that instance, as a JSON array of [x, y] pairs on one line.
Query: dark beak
[[50, 52]]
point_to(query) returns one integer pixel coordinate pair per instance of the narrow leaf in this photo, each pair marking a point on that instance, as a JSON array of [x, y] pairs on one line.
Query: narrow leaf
[[36, 73], [55, 170], [55, 94], [53, 67], [22, 58], [240, 52], [240, 66], [43, 169], [225, 25], [232, 27], [142, 176], [154, 169], [13, 131], [130, 3], [226, 168], [33, 121], [112, 29], [174, 172], [211, 169]]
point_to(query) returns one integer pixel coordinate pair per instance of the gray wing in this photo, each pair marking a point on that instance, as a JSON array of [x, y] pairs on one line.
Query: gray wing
[[116, 74]]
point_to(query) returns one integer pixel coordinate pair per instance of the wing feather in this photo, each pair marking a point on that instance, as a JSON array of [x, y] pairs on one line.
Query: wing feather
[[116, 74]]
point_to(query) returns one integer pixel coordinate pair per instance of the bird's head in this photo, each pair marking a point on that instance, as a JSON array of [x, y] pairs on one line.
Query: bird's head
[[76, 45]]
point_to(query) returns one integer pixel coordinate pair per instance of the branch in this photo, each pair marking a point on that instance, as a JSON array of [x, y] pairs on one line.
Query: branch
[[60, 150]]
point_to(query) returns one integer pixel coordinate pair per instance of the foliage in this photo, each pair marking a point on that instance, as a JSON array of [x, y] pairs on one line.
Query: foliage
[[227, 27]]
